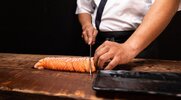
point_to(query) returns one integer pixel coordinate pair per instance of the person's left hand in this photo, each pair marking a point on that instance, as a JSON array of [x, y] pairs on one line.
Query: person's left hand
[[115, 53]]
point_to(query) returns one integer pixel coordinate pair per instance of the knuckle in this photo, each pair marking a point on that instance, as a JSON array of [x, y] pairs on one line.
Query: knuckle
[[101, 58], [106, 42], [107, 49], [96, 55], [111, 64], [84, 33], [95, 31]]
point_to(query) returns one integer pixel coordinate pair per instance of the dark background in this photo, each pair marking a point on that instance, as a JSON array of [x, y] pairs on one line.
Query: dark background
[[51, 27]]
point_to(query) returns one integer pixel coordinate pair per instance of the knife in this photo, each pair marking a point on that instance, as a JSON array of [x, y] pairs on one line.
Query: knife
[[90, 54]]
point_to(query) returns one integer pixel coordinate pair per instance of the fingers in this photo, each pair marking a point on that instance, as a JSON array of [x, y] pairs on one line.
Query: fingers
[[104, 59], [84, 36], [109, 52], [112, 53], [102, 55], [89, 34], [94, 36], [96, 54], [114, 62]]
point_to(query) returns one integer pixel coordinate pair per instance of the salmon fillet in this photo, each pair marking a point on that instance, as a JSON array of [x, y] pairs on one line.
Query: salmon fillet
[[76, 64]]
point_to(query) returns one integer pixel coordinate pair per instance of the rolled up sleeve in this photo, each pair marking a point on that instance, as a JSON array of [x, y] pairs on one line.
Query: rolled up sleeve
[[179, 6], [85, 6]]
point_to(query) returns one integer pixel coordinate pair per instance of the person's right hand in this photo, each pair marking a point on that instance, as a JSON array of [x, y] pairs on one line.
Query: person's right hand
[[89, 34]]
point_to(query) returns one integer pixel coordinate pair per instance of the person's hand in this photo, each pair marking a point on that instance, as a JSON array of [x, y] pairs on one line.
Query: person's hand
[[115, 53], [89, 34]]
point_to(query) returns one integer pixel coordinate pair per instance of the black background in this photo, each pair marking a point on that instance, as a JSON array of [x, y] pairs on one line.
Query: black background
[[51, 27]]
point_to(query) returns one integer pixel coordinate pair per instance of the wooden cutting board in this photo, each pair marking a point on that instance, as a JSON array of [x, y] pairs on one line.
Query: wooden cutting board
[[19, 80]]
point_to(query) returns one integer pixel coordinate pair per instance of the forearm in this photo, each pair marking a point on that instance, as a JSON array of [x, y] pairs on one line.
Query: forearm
[[85, 19], [154, 22], [89, 33]]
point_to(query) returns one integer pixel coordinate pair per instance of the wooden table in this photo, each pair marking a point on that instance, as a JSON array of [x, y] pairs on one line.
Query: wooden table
[[19, 80]]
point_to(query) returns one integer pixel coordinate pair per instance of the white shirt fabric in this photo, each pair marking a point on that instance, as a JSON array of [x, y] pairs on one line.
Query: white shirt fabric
[[118, 15]]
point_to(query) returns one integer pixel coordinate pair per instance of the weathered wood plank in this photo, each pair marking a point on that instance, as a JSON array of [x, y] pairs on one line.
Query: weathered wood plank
[[53, 83], [17, 75]]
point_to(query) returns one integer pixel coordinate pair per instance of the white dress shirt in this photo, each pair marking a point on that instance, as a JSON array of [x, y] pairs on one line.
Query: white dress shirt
[[118, 15]]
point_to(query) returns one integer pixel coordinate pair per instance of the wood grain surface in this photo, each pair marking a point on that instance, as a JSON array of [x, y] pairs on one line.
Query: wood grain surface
[[19, 80]]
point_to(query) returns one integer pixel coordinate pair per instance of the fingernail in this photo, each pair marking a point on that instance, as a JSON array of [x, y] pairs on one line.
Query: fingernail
[[89, 43]]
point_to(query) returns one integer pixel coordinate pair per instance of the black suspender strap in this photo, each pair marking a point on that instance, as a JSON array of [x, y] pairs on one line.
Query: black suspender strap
[[99, 13]]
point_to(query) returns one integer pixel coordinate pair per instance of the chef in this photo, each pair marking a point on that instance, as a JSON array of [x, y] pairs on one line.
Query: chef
[[121, 30]]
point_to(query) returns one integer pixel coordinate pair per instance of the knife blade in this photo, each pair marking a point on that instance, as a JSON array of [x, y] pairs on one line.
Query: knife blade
[[90, 54]]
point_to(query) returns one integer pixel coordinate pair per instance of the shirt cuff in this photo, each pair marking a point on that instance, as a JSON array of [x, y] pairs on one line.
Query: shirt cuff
[[81, 10]]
